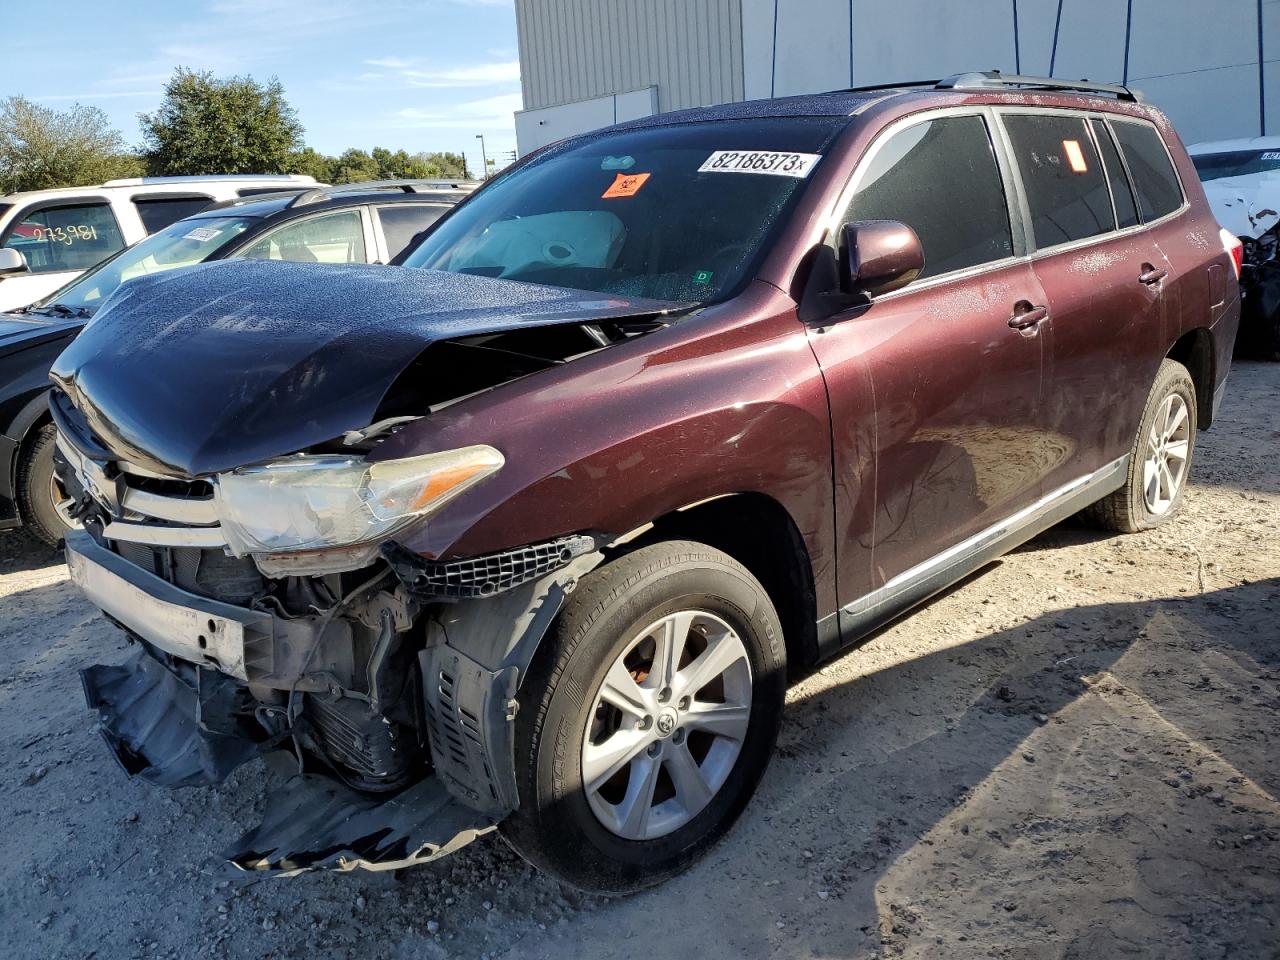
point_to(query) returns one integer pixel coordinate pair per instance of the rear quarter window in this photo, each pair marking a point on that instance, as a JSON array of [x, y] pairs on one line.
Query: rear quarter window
[[1154, 179]]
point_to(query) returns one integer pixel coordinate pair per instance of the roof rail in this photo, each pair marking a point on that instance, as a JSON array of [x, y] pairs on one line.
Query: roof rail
[[221, 177], [900, 85], [997, 80], [426, 186]]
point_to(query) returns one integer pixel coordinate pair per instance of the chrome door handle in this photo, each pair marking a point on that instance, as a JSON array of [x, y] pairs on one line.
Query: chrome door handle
[[1150, 274], [1025, 315]]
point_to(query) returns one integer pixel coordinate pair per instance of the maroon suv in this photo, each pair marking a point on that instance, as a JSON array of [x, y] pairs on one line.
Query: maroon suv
[[527, 537]]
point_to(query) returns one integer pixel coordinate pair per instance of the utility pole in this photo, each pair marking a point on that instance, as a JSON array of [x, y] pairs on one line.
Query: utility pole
[[484, 159]]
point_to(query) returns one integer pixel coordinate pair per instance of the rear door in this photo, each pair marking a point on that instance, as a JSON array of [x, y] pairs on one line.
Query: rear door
[[1103, 276], [400, 224], [935, 397]]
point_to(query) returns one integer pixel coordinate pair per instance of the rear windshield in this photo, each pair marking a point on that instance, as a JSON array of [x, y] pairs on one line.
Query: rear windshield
[[1235, 163], [680, 213]]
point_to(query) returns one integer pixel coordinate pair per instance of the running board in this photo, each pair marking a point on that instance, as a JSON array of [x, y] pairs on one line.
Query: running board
[[907, 589]]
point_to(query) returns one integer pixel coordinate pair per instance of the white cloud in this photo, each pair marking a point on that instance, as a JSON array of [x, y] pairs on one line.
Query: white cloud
[[489, 113], [420, 74]]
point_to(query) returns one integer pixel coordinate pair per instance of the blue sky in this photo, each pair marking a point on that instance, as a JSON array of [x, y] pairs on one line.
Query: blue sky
[[422, 75]]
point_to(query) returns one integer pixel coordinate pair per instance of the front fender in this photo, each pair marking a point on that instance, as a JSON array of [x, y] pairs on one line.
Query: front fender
[[729, 400]]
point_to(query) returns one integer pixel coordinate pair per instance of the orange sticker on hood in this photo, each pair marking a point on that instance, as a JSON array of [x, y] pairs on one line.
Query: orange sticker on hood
[[1075, 156], [625, 185]]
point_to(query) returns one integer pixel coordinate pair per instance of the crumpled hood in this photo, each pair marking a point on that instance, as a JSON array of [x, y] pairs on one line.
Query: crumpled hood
[[1248, 205], [201, 370]]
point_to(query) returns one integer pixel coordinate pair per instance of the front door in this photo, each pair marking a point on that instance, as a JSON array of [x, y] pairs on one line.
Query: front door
[[935, 389], [59, 241]]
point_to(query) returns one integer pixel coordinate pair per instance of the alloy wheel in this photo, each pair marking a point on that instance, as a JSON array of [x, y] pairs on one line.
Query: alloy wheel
[[1168, 448], [667, 725]]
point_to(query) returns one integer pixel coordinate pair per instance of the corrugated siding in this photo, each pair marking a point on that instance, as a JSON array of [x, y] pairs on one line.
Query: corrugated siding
[[571, 50]]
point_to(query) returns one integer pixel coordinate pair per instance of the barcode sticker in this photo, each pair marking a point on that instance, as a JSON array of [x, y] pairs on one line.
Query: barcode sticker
[[760, 161]]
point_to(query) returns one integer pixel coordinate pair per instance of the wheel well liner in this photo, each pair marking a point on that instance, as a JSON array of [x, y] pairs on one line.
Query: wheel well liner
[[758, 532], [1194, 350]]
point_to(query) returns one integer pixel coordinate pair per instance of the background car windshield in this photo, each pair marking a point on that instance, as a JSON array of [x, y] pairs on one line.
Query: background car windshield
[[1235, 163], [177, 245], [673, 213]]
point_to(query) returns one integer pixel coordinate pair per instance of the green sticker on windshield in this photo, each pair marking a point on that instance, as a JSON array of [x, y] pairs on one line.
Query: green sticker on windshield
[[703, 276]]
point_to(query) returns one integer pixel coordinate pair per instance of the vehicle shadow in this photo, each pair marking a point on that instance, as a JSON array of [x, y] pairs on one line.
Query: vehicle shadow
[[1098, 781], [20, 552]]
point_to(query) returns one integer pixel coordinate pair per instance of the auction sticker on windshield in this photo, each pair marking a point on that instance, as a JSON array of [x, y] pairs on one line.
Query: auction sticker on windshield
[[760, 161], [201, 234]]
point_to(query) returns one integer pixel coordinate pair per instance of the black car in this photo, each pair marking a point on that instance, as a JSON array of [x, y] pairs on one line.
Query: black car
[[359, 223]]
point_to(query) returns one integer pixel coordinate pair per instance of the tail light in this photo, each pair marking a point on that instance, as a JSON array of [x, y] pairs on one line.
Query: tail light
[[1231, 243]]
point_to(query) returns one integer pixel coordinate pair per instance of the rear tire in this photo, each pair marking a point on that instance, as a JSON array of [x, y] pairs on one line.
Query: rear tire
[[616, 626], [36, 486], [1159, 460]]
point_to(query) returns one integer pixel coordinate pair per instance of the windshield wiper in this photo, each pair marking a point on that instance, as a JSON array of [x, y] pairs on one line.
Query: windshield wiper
[[62, 310]]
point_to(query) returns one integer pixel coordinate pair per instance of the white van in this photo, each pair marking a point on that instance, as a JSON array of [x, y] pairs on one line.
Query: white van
[[61, 233]]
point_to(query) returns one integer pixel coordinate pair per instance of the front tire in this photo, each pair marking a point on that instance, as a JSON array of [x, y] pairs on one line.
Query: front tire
[[647, 718], [1160, 459], [38, 490]]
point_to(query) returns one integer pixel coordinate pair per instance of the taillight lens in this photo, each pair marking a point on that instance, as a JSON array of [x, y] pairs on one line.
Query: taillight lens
[[1231, 243]]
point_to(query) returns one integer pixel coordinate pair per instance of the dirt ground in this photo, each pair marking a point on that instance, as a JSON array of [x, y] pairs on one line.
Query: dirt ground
[[1072, 755]]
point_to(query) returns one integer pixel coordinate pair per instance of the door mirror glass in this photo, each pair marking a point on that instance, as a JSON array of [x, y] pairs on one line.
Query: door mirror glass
[[11, 262], [880, 256]]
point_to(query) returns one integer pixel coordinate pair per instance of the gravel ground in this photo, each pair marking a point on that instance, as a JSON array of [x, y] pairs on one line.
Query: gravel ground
[[1070, 755]]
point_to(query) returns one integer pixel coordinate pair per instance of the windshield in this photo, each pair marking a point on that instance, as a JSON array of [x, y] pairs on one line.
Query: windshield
[[1235, 163], [671, 213], [177, 245]]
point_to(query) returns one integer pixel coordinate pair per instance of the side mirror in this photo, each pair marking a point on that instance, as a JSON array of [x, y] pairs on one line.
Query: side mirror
[[879, 256], [11, 262]]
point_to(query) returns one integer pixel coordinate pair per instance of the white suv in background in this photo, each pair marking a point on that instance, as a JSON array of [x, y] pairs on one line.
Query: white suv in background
[[61, 233]]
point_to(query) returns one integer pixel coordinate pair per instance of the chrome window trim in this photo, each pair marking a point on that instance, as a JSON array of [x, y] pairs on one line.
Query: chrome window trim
[[991, 114], [1037, 252]]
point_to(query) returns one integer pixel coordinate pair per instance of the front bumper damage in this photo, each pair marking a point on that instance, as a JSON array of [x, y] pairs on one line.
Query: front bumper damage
[[178, 713]]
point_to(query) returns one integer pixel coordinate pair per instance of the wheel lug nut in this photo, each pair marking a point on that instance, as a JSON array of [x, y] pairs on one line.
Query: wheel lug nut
[[664, 694], [678, 736], [654, 748], [684, 703], [646, 722]]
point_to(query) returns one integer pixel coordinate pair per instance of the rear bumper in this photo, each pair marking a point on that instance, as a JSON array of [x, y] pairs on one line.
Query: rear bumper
[[193, 628]]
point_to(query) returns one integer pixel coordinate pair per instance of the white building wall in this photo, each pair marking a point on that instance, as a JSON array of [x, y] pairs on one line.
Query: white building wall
[[1196, 59], [537, 128]]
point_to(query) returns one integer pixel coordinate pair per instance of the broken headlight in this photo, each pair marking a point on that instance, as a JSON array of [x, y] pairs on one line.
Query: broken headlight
[[326, 501]]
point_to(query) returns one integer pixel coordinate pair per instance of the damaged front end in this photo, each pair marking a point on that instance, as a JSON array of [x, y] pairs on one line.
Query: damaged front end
[[275, 609], [393, 685]]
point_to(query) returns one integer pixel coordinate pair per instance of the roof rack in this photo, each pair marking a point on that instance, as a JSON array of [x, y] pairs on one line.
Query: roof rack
[[285, 178], [900, 85], [997, 80], [427, 186]]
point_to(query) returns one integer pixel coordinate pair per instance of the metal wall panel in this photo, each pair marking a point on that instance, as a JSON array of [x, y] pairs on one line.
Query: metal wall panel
[[572, 50]]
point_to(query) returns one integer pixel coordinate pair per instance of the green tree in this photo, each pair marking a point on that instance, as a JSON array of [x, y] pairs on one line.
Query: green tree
[[448, 165], [211, 125], [42, 148], [312, 163], [355, 165]]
